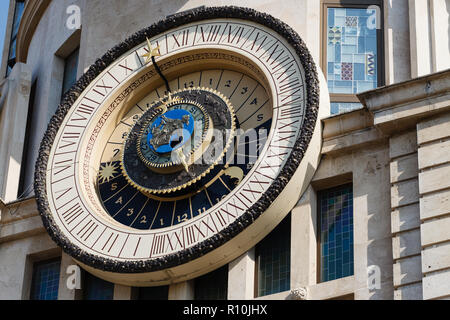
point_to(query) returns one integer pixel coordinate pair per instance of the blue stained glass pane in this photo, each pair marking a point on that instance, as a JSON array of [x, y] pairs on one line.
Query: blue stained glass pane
[[336, 254], [331, 17], [45, 282], [352, 50], [341, 107], [273, 256], [97, 289]]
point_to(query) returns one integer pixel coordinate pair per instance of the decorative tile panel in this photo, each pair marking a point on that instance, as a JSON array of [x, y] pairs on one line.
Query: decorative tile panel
[[352, 51]]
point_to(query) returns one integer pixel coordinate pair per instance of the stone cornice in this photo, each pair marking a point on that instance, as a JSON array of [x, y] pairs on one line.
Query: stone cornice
[[406, 91], [18, 210], [32, 14], [349, 131], [400, 106]]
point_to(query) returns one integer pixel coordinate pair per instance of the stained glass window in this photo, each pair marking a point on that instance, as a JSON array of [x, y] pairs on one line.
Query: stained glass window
[[352, 54], [97, 289], [336, 232], [45, 281], [273, 256], [213, 285]]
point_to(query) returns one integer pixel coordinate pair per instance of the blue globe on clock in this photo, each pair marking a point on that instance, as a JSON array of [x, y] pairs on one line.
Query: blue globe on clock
[[166, 148], [171, 130]]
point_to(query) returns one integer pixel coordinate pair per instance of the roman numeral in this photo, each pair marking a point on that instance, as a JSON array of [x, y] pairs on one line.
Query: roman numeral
[[236, 207], [71, 214], [245, 197], [102, 88], [261, 40], [292, 85], [294, 111], [275, 53], [271, 166], [235, 34], [278, 155], [68, 139], [259, 182], [62, 192], [61, 167], [284, 62], [210, 33], [220, 218], [190, 235], [158, 244], [202, 229], [125, 67], [180, 39], [254, 193]]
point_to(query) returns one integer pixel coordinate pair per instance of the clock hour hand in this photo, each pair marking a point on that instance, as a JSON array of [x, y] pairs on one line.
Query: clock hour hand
[[150, 56]]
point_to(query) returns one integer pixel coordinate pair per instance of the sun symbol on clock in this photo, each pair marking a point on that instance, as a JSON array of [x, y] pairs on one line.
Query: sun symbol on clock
[[107, 172]]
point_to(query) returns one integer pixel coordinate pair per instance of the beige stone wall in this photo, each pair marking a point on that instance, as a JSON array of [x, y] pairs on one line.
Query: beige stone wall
[[367, 162], [405, 216], [416, 116], [23, 241], [396, 152], [434, 184], [13, 118], [429, 36]]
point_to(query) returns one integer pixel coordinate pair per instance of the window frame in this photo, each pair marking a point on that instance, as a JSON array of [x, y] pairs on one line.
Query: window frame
[[361, 4]]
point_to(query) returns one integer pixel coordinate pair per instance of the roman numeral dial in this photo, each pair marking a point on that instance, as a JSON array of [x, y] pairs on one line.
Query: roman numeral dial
[[119, 183]]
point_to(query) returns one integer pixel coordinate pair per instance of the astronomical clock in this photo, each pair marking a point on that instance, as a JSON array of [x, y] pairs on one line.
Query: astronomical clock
[[182, 147]]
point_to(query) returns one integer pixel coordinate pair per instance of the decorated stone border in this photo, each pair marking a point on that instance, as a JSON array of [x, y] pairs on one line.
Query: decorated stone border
[[246, 219]]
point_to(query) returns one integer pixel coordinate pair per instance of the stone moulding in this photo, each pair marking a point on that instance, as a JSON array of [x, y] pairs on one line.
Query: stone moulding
[[32, 14], [214, 242]]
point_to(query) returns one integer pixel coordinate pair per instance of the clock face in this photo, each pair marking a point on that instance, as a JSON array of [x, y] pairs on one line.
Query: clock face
[[170, 152]]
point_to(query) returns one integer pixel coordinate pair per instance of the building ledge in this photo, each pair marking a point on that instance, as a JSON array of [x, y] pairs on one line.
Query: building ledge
[[400, 106], [348, 131], [19, 219], [321, 291]]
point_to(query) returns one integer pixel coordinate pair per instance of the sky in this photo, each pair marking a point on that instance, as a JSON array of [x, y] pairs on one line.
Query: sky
[[4, 5]]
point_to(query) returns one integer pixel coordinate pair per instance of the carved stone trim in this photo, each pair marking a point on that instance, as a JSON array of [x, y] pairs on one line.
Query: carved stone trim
[[299, 293]]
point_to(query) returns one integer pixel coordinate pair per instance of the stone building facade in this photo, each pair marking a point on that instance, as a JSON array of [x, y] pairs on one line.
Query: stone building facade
[[385, 152]]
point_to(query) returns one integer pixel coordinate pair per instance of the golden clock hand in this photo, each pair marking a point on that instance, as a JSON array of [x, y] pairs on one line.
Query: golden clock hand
[[150, 56], [150, 52], [181, 156]]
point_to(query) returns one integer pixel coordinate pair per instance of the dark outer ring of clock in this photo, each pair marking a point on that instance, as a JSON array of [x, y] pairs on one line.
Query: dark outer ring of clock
[[140, 174], [246, 219]]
